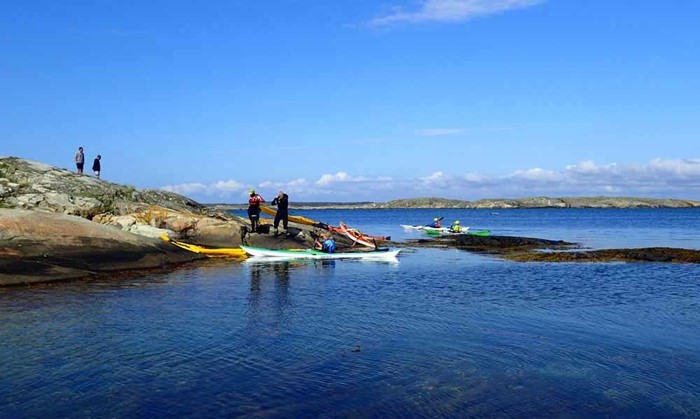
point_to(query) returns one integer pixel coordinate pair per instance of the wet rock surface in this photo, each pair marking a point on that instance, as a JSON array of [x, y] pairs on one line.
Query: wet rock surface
[[494, 244], [648, 254], [528, 249]]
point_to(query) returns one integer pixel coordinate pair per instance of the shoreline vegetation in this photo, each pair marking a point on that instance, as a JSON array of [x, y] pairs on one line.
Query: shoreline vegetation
[[57, 225], [497, 203]]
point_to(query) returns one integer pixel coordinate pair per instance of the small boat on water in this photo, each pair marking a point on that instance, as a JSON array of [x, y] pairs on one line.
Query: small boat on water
[[410, 227], [380, 254], [441, 230], [482, 233]]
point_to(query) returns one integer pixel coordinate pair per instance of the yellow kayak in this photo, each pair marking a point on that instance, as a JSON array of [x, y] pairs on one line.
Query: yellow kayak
[[299, 219], [230, 252]]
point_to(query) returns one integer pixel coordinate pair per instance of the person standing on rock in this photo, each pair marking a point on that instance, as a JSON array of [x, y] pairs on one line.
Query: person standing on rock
[[254, 210], [79, 161], [96, 166], [282, 202]]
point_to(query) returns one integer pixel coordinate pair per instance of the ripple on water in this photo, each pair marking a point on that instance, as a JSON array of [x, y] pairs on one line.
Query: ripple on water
[[441, 333]]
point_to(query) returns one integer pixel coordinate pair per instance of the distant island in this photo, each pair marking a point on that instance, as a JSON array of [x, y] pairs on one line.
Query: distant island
[[533, 202]]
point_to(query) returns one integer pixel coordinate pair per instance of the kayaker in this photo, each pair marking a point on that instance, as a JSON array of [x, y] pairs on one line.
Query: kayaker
[[327, 245], [254, 210], [435, 224], [455, 227], [282, 202]]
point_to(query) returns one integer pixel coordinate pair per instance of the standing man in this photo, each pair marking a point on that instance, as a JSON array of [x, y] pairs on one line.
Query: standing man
[[79, 161], [96, 166], [254, 210], [282, 202]]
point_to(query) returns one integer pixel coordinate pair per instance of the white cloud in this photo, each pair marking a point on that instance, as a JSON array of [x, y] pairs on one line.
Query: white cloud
[[186, 188], [660, 178], [342, 177], [451, 11], [537, 174], [221, 188], [434, 180], [434, 132]]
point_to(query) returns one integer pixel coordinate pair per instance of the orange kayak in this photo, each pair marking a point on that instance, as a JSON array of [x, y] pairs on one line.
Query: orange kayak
[[358, 237]]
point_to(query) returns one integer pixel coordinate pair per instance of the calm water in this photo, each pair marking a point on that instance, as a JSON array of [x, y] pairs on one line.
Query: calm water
[[440, 333]]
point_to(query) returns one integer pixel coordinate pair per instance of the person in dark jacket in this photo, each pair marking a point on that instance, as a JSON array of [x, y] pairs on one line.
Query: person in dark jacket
[[282, 202], [254, 210], [96, 166]]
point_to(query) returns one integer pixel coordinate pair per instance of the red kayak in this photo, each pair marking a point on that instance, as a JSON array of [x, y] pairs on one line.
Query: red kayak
[[358, 237]]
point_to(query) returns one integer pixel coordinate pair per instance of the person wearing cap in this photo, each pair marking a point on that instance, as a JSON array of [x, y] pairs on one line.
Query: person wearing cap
[[282, 202], [254, 210], [455, 227], [436, 223]]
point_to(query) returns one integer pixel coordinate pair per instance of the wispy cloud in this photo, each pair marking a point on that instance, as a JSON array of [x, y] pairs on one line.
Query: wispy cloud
[[450, 11], [342, 177], [222, 188], [435, 132], [660, 178]]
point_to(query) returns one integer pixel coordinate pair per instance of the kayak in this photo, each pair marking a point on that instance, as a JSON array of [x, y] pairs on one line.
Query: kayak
[[230, 252], [426, 228], [299, 219], [387, 254], [410, 227], [438, 230], [482, 233], [364, 239]]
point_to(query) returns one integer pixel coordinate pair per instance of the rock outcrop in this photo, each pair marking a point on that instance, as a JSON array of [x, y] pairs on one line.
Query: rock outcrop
[[26, 184], [55, 225], [36, 186], [43, 247]]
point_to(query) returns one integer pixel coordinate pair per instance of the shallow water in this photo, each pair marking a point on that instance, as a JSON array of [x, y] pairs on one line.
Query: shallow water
[[438, 333]]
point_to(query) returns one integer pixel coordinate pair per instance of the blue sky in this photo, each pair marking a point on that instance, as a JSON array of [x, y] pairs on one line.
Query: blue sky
[[360, 100]]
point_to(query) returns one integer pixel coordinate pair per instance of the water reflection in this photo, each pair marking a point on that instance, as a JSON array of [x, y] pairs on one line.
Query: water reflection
[[271, 300]]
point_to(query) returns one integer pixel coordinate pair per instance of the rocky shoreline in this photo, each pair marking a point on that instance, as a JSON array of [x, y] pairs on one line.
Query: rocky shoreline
[[535, 202], [56, 225], [528, 249]]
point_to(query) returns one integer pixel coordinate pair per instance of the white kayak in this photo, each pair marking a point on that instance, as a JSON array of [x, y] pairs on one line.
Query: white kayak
[[429, 229], [443, 230], [317, 254]]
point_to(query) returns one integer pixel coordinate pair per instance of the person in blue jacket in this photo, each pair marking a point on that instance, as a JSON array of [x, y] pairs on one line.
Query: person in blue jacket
[[436, 223], [327, 245]]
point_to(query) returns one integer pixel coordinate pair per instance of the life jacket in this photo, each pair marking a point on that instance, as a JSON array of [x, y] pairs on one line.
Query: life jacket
[[255, 200]]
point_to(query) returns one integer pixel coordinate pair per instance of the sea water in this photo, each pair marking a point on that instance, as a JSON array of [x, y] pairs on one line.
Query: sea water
[[438, 333]]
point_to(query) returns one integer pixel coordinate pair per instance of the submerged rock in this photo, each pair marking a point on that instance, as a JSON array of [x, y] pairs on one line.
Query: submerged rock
[[493, 244], [649, 254], [528, 249]]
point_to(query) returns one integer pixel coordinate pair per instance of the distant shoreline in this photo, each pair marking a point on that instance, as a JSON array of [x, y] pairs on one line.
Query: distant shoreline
[[521, 203]]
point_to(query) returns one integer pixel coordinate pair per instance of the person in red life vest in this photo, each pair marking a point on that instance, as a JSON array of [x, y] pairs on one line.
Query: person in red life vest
[[254, 210]]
